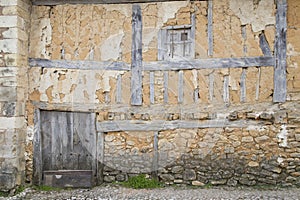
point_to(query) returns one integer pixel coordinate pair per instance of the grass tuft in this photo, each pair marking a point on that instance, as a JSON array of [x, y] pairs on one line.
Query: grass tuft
[[141, 182]]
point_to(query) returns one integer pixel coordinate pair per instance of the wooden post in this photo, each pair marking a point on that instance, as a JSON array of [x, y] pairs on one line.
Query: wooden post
[[37, 150], [210, 28], [136, 56], [280, 53]]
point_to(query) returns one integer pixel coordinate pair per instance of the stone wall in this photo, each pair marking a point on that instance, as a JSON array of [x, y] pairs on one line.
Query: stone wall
[[14, 31], [245, 138]]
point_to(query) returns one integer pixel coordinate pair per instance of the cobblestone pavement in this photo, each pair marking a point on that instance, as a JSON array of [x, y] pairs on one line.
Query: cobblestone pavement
[[169, 193]]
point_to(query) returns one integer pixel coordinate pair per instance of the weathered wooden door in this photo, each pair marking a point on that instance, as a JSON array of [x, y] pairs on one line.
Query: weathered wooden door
[[68, 142]]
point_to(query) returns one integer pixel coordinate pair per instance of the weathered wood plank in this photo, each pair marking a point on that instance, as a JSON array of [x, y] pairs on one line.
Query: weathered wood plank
[[180, 86], [166, 87], [37, 149], [211, 63], [78, 64], [59, 2], [243, 85], [68, 178], [258, 84], [119, 89], [210, 34], [136, 56], [158, 125], [211, 86], [152, 87], [226, 90], [280, 53], [100, 156], [264, 45], [193, 34], [196, 95]]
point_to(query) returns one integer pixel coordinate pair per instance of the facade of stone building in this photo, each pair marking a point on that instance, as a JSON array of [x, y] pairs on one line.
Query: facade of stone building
[[190, 92]]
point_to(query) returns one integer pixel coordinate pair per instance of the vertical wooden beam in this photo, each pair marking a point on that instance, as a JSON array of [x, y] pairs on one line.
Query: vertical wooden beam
[[210, 28], [100, 156], [166, 86], [180, 86], [37, 149], [280, 53], [152, 87], [211, 86], [136, 56], [226, 90], [161, 39], [258, 84], [119, 89], [193, 33], [243, 85]]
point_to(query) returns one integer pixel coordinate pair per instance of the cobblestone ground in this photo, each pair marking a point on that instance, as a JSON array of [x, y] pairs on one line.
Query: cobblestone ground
[[115, 193]]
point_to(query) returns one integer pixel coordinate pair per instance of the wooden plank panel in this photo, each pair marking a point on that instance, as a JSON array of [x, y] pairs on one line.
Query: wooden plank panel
[[155, 155], [211, 86], [136, 56], [280, 53], [226, 90]]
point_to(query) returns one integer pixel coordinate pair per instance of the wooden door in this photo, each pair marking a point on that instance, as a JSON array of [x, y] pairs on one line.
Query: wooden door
[[68, 142]]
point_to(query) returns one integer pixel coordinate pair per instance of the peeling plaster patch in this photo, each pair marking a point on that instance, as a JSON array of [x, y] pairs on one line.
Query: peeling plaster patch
[[111, 47], [282, 136], [106, 75], [166, 11], [45, 36], [125, 9], [258, 16]]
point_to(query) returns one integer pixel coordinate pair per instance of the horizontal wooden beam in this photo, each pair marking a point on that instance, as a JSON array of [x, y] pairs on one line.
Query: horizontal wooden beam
[[78, 64], [210, 63], [156, 66], [159, 125], [59, 2]]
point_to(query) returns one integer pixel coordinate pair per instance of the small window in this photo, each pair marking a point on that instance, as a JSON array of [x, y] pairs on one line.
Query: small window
[[177, 43]]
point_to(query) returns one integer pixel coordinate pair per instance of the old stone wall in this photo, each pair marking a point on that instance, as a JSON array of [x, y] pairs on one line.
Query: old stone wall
[[14, 31], [211, 126]]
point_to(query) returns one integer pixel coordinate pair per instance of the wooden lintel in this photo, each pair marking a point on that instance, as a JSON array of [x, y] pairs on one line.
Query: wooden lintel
[[280, 53], [59, 2], [78, 64], [210, 63], [159, 125]]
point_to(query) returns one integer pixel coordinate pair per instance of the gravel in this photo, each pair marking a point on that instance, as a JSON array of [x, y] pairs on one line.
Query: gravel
[[112, 192]]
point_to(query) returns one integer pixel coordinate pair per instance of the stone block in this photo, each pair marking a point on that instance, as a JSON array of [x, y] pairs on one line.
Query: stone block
[[189, 175], [8, 21], [7, 181], [9, 45], [198, 183], [8, 94]]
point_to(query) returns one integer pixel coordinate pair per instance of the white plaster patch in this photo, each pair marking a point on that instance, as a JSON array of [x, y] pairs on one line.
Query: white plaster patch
[[282, 136], [166, 11], [111, 47], [194, 78], [257, 128], [280, 160], [258, 16]]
